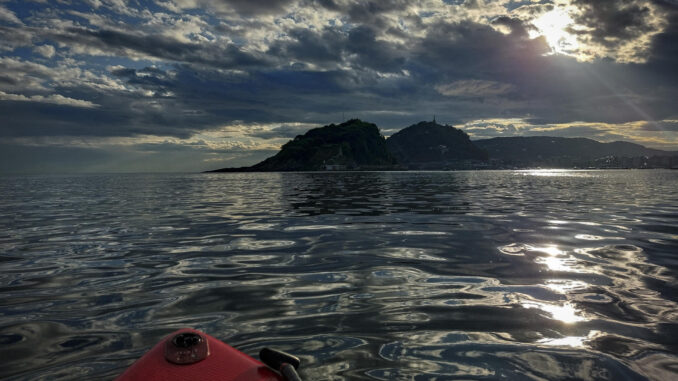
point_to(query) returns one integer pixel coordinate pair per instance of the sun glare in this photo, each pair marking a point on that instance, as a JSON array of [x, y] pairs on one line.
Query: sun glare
[[553, 26]]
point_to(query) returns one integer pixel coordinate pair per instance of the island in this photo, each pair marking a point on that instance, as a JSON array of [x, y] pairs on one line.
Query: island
[[352, 145], [356, 145]]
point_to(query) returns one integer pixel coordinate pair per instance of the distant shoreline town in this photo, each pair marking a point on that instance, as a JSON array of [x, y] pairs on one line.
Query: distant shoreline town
[[358, 145]]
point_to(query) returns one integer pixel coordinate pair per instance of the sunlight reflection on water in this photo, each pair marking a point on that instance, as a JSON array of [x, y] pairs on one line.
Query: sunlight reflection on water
[[566, 313], [429, 275], [571, 341], [556, 172]]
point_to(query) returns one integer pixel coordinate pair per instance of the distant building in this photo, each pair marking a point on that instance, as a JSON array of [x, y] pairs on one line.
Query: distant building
[[335, 167]]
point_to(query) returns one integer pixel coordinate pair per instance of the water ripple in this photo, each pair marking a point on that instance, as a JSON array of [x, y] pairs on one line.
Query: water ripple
[[426, 275]]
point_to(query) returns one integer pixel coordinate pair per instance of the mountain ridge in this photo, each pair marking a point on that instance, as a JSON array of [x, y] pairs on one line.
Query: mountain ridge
[[524, 151], [358, 145]]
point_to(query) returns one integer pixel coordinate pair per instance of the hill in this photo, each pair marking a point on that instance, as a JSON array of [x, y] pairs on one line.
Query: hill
[[429, 145], [563, 152], [354, 145]]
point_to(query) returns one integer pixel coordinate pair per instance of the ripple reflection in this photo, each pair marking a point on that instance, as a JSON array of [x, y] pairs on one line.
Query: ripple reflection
[[370, 275]]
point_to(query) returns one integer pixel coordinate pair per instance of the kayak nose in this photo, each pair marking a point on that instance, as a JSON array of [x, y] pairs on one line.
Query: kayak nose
[[212, 359]]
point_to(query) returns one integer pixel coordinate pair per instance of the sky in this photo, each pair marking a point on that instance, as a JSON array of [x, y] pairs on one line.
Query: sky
[[192, 85]]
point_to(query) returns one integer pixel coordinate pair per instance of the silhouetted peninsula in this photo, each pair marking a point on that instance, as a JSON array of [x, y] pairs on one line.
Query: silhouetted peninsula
[[352, 145], [358, 145]]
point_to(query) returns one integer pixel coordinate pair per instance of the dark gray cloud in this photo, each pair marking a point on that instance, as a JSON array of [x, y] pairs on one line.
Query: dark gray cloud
[[243, 7], [125, 44], [377, 55], [8, 80], [249, 7], [324, 47], [332, 48], [12, 37], [515, 25], [124, 72], [150, 78], [471, 50], [612, 20], [663, 56], [374, 14]]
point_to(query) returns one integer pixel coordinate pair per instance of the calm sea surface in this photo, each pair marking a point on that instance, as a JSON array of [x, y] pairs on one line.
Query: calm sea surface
[[382, 276]]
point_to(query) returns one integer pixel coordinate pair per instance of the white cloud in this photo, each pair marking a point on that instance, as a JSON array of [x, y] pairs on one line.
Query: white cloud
[[8, 16], [33, 77], [94, 3], [45, 50], [57, 99]]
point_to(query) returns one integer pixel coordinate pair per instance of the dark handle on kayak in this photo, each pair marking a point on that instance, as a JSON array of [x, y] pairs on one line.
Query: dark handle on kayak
[[283, 362], [289, 373]]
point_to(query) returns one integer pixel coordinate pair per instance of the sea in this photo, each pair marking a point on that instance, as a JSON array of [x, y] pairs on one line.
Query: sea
[[474, 275]]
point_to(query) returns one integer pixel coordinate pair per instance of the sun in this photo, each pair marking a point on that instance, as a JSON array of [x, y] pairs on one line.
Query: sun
[[553, 26]]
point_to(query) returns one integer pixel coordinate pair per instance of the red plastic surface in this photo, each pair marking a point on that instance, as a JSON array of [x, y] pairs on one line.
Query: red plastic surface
[[224, 363]]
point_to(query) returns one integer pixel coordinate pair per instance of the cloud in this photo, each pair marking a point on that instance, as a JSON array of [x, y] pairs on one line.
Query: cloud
[[308, 46], [663, 54], [284, 131], [471, 49], [31, 77], [12, 38], [46, 51], [488, 128], [379, 55], [512, 25], [619, 29], [244, 7], [56, 99], [634, 131], [661, 125], [599, 131], [473, 88], [109, 42], [7, 16], [612, 20]]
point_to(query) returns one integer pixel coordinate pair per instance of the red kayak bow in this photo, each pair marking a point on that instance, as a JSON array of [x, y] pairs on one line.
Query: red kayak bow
[[188, 354]]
